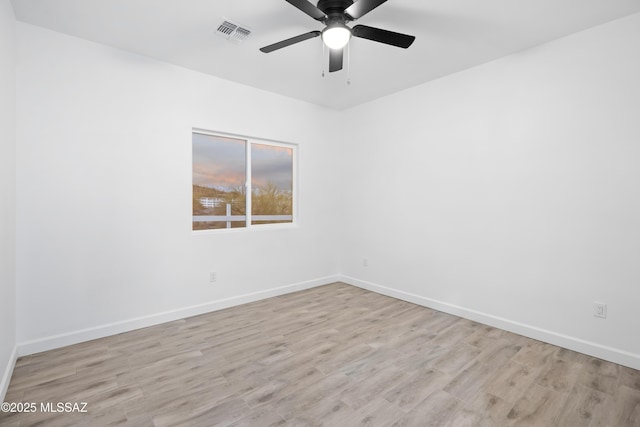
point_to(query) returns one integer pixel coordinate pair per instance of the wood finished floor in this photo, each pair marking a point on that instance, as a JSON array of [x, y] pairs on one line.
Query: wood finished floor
[[334, 355]]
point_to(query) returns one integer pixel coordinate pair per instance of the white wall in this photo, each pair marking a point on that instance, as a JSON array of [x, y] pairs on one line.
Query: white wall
[[506, 193], [104, 193], [7, 194], [509, 192]]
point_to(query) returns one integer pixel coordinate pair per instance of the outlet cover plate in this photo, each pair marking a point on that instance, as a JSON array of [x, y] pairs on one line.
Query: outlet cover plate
[[600, 310]]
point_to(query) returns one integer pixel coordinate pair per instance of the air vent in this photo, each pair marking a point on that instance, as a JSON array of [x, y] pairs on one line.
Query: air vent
[[232, 31]]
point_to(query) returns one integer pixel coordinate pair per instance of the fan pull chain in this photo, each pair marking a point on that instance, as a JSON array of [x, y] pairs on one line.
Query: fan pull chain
[[349, 63], [324, 59]]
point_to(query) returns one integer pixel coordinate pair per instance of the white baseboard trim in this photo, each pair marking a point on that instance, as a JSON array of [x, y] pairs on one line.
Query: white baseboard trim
[[75, 337], [572, 343], [8, 372]]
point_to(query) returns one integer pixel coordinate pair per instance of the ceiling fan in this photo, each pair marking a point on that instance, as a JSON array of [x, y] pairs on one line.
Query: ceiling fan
[[335, 14]]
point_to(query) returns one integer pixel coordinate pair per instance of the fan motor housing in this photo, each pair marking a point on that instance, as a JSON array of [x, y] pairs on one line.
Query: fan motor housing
[[331, 7]]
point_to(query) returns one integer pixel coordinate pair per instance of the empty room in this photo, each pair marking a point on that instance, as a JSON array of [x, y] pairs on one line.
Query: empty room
[[403, 213]]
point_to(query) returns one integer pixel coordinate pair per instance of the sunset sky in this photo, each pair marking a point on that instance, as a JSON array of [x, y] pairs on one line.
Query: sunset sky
[[219, 162]]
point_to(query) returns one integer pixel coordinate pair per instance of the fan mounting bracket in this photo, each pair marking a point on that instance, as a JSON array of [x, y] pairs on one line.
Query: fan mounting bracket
[[334, 8]]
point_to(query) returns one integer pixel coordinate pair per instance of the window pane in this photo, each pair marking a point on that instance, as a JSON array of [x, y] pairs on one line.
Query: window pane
[[219, 176], [271, 184]]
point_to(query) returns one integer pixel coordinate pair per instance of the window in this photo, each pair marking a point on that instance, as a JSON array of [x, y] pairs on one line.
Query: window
[[228, 168]]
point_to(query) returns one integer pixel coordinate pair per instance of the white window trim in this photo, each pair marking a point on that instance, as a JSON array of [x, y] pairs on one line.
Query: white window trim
[[294, 184]]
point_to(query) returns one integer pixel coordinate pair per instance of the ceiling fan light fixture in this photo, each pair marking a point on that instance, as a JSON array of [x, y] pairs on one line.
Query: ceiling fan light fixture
[[335, 14], [336, 36]]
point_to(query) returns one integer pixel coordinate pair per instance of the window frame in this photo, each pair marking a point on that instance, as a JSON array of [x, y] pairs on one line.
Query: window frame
[[249, 140]]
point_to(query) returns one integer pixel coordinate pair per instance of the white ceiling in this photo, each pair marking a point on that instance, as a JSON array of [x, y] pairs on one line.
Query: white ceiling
[[451, 35]]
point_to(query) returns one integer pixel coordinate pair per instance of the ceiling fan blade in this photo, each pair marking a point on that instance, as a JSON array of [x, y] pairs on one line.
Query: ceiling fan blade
[[382, 36], [309, 9], [361, 7], [289, 42], [335, 59]]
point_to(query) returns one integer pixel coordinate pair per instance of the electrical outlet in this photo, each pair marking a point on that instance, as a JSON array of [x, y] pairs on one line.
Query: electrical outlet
[[600, 309], [213, 277], [365, 262]]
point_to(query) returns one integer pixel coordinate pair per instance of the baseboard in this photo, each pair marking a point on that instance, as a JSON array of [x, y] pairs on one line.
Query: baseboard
[[586, 347], [8, 371], [75, 337]]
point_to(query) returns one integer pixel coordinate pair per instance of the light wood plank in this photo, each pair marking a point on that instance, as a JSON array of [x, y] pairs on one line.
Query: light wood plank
[[334, 355]]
